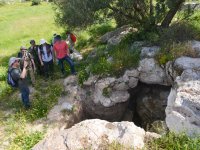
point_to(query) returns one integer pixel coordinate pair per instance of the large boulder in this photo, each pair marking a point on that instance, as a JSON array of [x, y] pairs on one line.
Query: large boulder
[[196, 47], [96, 135], [149, 52], [152, 73], [184, 63], [115, 37], [106, 98], [69, 110], [183, 108]]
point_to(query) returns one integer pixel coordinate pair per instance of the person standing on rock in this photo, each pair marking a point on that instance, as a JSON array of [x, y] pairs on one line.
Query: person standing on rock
[[20, 78], [62, 54]]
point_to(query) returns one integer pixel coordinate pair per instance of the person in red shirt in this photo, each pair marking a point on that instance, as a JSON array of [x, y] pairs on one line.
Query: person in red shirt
[[62, 54]]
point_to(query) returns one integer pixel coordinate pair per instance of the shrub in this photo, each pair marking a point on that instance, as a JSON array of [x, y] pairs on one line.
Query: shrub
[[175, 50], [35, 2], [171, 141], [179, 32], [2, 2], [27, 141]]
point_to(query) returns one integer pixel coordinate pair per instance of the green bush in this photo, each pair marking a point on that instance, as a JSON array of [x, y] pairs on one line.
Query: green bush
[[172, 51], [2, 2], [171, 141], [35, 2], [179, 32], [26, 142]]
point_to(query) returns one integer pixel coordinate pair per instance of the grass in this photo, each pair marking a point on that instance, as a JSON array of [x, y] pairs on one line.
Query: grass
[[15, 124], [19, 23], [172, 141]]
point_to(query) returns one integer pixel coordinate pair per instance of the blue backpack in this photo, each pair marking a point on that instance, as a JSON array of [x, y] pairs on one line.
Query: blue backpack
[[10, 80]]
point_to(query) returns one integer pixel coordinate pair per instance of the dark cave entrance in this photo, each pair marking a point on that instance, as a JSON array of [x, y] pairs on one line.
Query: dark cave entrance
[[147, 104]]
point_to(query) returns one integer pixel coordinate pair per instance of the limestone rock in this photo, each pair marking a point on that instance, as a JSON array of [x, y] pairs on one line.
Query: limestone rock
[[152, 73], [97, 135], [149, 52], [183, 108], [196, 47], [115, 37], [184, 63], [106, 98]]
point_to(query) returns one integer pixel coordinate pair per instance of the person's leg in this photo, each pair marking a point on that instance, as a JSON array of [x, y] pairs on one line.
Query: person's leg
[[25, 97], [60, 62], [71, 64], [51, 68], [46, 69], [31, 72]]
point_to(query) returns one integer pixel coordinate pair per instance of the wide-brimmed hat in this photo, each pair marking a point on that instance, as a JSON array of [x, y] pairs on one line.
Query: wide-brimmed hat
[[12, 60], [42, 41], [23, 48]]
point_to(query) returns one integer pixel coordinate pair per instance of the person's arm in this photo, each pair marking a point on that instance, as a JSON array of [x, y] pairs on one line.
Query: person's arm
[[24, 71], [40, 57]]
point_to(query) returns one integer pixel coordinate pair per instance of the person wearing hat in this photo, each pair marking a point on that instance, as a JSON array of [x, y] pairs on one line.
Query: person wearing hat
[[45, 53], [19, 76], [62, 54], [33, 50], [31, 68]]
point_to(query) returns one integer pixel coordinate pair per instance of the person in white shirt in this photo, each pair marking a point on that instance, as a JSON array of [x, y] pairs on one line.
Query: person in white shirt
[[45, 53]]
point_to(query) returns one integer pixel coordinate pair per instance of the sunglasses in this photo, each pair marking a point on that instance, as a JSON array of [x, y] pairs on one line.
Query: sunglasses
[[17, 60]]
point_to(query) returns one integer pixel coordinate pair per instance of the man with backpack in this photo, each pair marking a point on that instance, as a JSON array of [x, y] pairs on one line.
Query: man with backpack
[[62, 54], [17, 78], [33, 50], [31, 68], [45, 53]]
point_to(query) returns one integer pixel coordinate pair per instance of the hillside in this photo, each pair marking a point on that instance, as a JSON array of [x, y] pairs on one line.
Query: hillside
[[125, 77], [19, 23]]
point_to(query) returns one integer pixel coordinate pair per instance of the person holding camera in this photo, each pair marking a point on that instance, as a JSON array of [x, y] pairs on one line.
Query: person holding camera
[[31, 68], [19, 76]]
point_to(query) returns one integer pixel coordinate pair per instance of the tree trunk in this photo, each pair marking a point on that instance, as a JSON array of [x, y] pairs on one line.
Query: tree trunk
[[170, 15]]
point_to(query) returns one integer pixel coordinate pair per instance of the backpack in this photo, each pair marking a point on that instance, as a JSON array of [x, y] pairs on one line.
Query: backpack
[[73, 37], [10, 80]]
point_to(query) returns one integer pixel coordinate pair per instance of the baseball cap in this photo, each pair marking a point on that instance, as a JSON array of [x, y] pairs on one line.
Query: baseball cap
[[42, 41], [12, 60]]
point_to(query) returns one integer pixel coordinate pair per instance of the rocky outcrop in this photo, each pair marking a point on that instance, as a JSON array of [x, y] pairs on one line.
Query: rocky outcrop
[[69, 110], [97, 134], [115, 37], [152, 73], [105, 98], [184, 63], [183, 108], [149, 52]]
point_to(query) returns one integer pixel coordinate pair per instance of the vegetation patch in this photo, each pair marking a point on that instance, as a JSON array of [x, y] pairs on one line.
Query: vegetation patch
[[172, 141], [171, 52]]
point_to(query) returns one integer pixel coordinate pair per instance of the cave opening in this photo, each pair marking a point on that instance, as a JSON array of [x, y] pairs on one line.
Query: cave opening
[[147, 104]]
